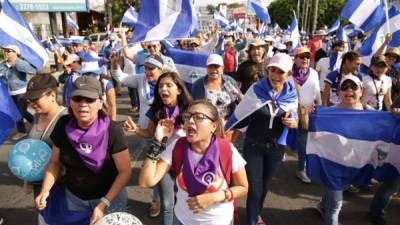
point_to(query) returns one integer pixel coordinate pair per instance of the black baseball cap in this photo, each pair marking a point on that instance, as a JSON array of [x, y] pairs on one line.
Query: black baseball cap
[[40, 84], [87, 86]]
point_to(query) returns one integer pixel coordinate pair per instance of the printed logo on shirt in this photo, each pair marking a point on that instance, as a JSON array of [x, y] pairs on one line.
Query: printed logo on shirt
[[86, 148], [208, 178]]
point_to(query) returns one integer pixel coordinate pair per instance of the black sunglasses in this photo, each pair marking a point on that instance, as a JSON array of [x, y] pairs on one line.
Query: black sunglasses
[[197, 117], [348, 85], [81, 98], [304, 56], [8, 50]]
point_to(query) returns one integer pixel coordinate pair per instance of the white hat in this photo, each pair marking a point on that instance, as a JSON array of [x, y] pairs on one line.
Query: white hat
[[71, 58], [353, 78], [269, 38], [282, 61], [215, 59], [13, 47], [153, 43]]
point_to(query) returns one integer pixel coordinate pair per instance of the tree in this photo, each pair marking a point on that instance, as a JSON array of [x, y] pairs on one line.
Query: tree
[[235, 5], [119, 7], [281, 11], [210, 9]]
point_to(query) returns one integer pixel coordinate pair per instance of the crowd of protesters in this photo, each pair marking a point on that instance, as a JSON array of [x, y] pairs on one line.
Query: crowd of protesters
[[186, 146]]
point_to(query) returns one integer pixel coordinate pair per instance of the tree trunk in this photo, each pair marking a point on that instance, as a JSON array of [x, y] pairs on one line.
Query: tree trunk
[[315, 19]]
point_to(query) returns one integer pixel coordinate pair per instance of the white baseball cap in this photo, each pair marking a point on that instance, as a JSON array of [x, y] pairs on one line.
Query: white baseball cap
[[353, 78], [282, 61], [13, 47], [215, 59]]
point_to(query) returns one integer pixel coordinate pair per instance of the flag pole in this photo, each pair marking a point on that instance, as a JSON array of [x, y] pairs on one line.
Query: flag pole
[[245, 18], [387, 16]]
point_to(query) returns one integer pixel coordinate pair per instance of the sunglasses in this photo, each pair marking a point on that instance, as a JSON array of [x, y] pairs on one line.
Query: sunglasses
[[304, 56], [8, 50], [81, 98], [197, 117], [151, 46], [348, 85]]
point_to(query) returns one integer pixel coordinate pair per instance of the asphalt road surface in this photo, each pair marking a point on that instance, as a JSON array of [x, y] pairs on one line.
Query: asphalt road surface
[[290, 202]]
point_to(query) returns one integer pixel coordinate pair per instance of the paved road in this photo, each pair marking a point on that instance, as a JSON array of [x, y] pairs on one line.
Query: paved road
[[290, 202]]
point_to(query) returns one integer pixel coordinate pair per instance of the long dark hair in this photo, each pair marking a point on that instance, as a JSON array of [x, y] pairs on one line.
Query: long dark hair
[[219, 132], [157, 107], [348, 56]]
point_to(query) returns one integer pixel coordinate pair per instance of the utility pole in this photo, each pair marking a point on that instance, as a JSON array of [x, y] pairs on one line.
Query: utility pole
[[315, 18], [307, 5], [298, 13], [303, 20]]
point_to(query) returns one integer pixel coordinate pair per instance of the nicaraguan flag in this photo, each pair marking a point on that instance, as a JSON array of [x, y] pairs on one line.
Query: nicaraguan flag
[[260, 11], [351, 146], [220, 19], [277, 28], [130, 17], [190, 65], [259, 95], [376, 39], [294, 33], [160, 20], [334, 26], [9, 113], [342, 35], [14, 30], [365, 14], [71, 23]]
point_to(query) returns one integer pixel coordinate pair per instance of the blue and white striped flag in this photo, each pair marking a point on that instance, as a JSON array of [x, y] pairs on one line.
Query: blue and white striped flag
[[294, 33], [342, 35], [190, 65], [9, 113], [277, 28], [162, 21], [376, 39], [365, 14], [260, 11], [344, 147], [260, 94], [14, 30], [220, 19], [130, 17], [71, 23], [334, 26]]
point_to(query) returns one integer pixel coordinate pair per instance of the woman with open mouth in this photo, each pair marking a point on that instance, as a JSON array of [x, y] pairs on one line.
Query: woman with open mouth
[[170, 99], [209, 170]]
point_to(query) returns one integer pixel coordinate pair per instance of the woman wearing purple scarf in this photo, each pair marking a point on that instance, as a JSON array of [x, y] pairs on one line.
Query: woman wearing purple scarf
[[170, 98], [203, 195], [306, 80], [91, 153]]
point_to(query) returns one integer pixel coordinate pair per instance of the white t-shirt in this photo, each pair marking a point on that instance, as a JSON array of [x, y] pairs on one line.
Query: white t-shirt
[[323, 70], [374, 86], [217, 214], [310, 92]]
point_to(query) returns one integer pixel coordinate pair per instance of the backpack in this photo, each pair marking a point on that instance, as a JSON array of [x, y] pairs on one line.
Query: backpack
[[225, 161]]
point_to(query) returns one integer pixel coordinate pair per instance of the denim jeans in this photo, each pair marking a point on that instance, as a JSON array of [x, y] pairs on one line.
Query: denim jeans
[[301, 143], [262, 163], [382, 196], [165, 193], [134, 97], [118, 204], [22, 105], [332, 203]]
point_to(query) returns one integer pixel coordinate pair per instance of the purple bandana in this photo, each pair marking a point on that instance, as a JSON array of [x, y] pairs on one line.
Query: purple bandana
[[299, 75], [171, 113], [197, 179], [90, 144]]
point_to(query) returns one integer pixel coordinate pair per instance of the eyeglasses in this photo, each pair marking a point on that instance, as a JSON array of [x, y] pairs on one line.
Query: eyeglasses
[[8, 50], [81, 98], [304, 56], [351, 85], [31, 101], [197, 117], [152, 46]]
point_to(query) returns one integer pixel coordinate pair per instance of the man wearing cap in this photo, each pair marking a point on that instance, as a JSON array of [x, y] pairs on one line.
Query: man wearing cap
[[14, 72], [316, 43], [307, 84], [252, 70]]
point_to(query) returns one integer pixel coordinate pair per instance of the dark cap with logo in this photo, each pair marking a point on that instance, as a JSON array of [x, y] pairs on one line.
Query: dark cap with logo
[[87, 86], [40, 84]]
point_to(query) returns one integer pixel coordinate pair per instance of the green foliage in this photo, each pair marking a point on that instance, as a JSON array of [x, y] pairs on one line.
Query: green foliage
[[235, 5], [281, 12], [119, 7], [210, 9], [328, 11]]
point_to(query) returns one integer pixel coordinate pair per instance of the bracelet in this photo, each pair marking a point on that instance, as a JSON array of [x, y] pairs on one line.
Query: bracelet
[[105, 201], [231, 197], [226, 193]]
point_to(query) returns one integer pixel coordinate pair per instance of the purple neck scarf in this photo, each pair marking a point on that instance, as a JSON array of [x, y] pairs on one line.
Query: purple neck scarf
[[171, 113], [300, 75], [198, 178], [91, 144]]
